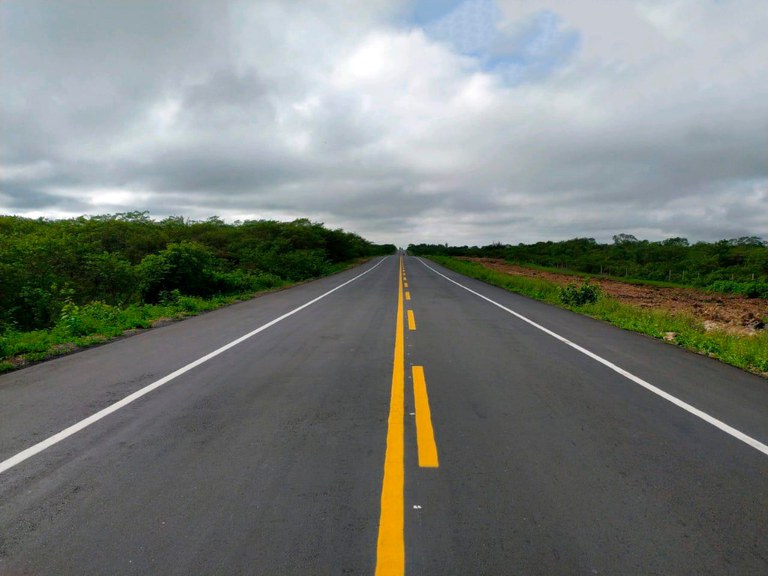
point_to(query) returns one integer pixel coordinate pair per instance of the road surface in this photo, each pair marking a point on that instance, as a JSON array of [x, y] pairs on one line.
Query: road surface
[[395, 418]]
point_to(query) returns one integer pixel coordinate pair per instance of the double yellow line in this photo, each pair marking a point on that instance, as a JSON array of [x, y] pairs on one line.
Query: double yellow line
[[390, 551]]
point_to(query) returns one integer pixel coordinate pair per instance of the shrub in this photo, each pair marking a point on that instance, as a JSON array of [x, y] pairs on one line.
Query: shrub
[[169, 297], [239, 282], [109, 278], [152, 272], [573, 295], [185, 266], [265, 281], [96, 317], [748, 289], [4, 344], [303, 264]]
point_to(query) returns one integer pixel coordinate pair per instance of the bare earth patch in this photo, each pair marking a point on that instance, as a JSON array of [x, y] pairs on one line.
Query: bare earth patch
[[728, 312]]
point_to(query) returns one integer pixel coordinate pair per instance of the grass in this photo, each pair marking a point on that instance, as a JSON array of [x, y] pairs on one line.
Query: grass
[[743, 351], [95, 323]]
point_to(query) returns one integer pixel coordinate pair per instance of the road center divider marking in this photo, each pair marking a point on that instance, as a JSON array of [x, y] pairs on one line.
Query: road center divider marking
[[756, 444], [390, 549], [425, 434], [407, 295], [411, 320], [75, 428]]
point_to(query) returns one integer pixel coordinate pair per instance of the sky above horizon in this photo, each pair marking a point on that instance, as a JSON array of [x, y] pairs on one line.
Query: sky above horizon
[[466, 122]]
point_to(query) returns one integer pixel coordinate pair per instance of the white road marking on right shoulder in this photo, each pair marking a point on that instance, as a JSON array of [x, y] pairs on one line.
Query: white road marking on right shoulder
[[739, 435], [93, 418]]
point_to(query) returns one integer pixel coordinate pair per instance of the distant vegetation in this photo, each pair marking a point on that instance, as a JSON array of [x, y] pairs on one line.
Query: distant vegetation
[[89, 278], [738, 265]]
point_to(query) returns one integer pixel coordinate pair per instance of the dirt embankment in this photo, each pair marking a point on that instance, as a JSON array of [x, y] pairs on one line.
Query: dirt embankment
[[716, 311]]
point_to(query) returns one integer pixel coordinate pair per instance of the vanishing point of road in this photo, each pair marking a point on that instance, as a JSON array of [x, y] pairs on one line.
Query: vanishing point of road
[[393, 419]]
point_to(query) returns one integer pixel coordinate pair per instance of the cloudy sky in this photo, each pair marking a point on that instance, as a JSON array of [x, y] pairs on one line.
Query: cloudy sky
[[465, 122]]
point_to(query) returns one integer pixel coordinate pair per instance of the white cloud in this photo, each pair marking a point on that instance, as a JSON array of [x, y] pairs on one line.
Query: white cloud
[[654, 123]]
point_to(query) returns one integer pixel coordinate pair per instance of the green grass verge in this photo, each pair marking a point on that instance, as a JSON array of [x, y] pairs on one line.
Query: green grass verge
[[743, 351], [96, 323]]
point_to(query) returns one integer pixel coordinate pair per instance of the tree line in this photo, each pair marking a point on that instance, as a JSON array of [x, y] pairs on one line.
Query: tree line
[[129, 258], [736, 265]]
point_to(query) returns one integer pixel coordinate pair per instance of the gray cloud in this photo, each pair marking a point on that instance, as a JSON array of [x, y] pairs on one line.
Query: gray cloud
[[18, 196], [657, 125]]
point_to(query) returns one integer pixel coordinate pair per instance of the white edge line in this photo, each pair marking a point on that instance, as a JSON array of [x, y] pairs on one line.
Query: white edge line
[[756, 444], [75, 428]]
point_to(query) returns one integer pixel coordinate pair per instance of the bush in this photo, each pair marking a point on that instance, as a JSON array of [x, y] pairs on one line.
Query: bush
[[303, 264], [266, 281], [573, 295], [185, 266], [5, 348], [92, 318], [108, 278], [240, 282], [748, 289]]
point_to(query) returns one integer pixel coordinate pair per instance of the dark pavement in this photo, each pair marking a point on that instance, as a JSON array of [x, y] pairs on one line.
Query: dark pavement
[[269, 458]]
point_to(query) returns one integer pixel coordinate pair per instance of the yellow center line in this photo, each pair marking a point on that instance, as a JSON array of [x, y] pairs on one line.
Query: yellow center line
[[407, 295], [425, 434], [411, 320], [405, 284], [390, 550]]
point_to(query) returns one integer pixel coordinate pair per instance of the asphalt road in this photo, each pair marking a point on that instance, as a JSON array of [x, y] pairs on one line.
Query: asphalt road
[[401, 423]]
